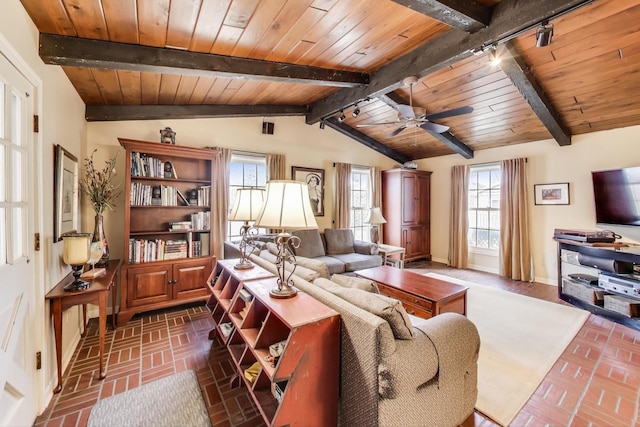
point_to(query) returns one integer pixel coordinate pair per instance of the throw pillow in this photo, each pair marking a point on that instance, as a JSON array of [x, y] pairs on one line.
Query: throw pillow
[[339, 241], [355, 282], [310, 243], [314, 264], [389, 309]]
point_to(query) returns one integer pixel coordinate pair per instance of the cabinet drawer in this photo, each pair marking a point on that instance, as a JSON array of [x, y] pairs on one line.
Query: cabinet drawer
[[405, 297], [414, 310]]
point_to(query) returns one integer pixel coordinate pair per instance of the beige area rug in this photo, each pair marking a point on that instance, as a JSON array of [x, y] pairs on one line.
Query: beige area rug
[[520, 339]]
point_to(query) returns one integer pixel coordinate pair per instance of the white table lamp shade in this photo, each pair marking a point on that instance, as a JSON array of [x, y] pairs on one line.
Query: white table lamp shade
[[375, 216], [286, 206], [247, 204], [77, 248]]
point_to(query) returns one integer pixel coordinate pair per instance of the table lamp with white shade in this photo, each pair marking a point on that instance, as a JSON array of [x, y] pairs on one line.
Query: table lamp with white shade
[[76, 252], [375, 219], [246, 207], [286, 207]]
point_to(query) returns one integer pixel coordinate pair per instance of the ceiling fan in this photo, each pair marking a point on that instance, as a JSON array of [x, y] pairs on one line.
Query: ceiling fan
[[410, 116]]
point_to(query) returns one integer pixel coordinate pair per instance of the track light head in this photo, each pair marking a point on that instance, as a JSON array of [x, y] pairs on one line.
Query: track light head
[[355, 112], [544, 34], [493, 56], [342, 117], [321, 124]]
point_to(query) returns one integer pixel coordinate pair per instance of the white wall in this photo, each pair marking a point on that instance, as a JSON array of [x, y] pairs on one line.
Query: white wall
[[62, 122], [303, 145], [547, 163]]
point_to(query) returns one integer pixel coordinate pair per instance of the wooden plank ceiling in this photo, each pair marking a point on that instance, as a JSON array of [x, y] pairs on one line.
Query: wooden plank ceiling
[[137, 59]]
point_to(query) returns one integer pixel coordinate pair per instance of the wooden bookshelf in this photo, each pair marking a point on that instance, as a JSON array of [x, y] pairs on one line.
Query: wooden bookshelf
[[168, 252]]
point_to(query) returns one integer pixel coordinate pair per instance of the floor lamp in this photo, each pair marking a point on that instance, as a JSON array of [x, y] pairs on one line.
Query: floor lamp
[[246, 207], [286, 207]]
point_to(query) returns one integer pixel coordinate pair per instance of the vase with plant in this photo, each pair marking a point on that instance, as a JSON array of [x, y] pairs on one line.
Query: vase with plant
[[99, 186]]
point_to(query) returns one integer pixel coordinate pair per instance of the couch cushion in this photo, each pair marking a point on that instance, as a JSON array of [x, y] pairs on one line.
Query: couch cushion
[[339, 241], [355, 282], [353, 262], [334, 265], [382, 306], [272, 248], [310, 243]]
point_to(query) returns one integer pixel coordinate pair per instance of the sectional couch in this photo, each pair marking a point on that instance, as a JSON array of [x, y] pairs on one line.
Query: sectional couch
[[337, 248], [396, 369]]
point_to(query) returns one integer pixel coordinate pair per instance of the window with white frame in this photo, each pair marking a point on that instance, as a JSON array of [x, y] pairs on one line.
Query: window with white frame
[[360, 203], [245, 170], [484, 207]]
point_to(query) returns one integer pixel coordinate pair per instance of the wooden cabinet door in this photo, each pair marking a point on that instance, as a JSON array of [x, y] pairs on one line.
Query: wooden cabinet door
[[422, 205], [190, 278], [409, 210], [148, 285], [416, 241]]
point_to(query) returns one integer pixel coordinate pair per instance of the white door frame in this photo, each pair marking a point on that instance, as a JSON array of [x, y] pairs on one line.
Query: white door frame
[[38, 334]]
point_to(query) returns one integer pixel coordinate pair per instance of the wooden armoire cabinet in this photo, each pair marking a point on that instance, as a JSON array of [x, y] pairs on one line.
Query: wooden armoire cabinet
[[406, 206], [168, 252]]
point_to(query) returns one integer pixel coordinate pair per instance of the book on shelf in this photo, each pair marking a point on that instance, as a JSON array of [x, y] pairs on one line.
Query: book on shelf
[[179, 225], [182, 198]]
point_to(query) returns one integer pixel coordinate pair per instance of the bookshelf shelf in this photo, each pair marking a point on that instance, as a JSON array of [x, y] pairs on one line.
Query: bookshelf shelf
[[164, 267]]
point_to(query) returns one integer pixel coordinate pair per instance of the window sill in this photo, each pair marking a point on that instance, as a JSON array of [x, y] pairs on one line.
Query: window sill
[[483, 251]]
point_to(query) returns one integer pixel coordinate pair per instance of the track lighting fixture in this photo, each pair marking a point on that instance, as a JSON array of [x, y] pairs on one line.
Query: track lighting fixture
[[544, 34], [342, 117], [321, 124], [493, 55], [355, 112]]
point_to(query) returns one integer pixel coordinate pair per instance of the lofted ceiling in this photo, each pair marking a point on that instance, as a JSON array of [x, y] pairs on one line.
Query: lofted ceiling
[[149, 59]]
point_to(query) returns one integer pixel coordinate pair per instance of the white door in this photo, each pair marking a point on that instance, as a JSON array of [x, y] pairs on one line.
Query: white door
[[17, 283]]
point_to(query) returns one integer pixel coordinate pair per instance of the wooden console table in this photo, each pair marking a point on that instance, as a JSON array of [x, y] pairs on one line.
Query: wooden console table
[[420, 295], [96, 293]]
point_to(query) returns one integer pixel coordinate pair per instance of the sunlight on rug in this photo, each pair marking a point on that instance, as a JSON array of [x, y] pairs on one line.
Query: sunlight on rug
[[172, 401], [520, 339]]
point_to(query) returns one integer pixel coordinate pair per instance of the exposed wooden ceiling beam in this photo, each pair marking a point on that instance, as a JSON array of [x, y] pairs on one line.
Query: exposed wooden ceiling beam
[[366, 140], [97, 113], [78, 52], [465, 15], [510, 17], [392, 99], [515, 67]]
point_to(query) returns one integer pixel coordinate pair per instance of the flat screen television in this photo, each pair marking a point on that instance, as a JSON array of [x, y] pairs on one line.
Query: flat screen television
[[617, 196]]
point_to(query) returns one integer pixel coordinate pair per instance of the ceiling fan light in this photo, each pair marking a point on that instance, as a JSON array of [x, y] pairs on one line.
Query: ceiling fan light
[[544, 34]]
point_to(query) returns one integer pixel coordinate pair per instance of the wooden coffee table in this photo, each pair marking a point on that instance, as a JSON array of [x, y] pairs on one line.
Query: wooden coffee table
[[421, 296]]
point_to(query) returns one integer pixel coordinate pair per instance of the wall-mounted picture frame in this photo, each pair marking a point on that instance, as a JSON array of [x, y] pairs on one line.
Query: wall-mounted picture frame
[[314, 178], [65, 188], [551, 194]]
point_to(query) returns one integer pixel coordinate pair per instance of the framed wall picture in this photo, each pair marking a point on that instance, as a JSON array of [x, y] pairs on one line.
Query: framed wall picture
[[65, 184], [551, 194], [314, 178]]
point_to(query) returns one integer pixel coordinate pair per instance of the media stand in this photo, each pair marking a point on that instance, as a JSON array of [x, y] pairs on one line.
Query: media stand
[[588, 297]]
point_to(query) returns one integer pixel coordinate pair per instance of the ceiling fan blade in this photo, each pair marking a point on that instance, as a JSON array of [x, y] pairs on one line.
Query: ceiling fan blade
[[366, 125], [434, 127], [397, 131], [449, 113], [406, 111]]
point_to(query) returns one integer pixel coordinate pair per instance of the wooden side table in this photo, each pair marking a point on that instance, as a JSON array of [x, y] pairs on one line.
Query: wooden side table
[[96, 293], [388, 250]]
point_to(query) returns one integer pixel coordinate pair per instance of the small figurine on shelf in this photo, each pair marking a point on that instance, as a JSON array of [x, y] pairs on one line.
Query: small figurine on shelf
[[167, 136]]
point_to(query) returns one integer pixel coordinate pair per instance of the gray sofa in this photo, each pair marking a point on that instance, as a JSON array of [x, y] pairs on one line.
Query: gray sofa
[[429, 379], [335, 247]]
